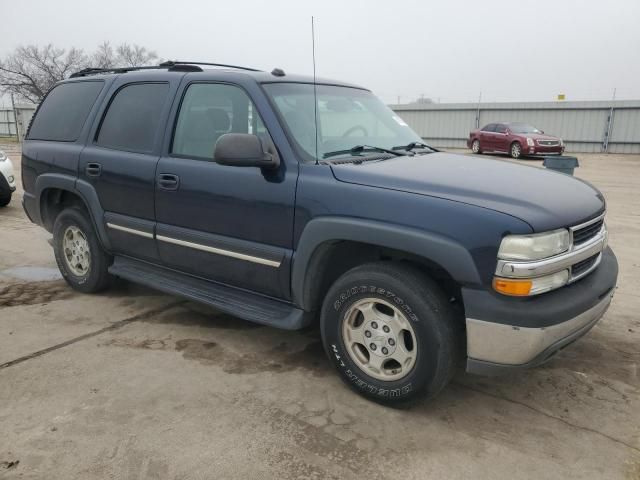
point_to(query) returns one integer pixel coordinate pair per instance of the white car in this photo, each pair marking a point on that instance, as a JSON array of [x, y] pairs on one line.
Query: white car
[[7, 179]]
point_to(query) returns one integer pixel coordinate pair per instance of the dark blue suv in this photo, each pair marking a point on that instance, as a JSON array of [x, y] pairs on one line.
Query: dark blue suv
[[286, 202]]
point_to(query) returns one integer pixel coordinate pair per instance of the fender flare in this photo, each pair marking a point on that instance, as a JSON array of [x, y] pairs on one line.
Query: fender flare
[[447, 253], [83, 189]]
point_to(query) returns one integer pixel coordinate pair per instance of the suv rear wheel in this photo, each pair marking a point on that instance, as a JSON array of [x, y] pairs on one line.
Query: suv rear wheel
[[79, 255], [389, 331]]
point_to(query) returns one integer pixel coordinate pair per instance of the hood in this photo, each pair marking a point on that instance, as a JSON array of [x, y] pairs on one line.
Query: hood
[[544, 199], [537, 136]]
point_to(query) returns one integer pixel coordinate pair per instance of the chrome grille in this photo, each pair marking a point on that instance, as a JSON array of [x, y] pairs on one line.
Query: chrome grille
[[579, 268], [549, 143], [586, 233]]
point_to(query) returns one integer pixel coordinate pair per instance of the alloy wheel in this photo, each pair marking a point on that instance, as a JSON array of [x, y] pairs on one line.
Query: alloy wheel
[[76, 251], [516, 150], [379, 339]]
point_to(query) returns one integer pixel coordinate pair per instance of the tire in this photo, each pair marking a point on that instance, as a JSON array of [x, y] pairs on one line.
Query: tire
[[4, 200], [85, 267], [475, 147], [391, 287], [515, 150]]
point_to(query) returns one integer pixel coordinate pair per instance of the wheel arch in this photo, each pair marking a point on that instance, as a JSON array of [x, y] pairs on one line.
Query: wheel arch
[[54, 192], [329, 246]]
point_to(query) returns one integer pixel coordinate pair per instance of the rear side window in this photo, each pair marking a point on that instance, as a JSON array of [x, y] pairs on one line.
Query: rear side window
[[489, 128], [133, 117], [64, 111]]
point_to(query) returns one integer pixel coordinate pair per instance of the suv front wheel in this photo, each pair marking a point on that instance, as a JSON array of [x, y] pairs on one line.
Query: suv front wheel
[[389, 331], [80, 257]]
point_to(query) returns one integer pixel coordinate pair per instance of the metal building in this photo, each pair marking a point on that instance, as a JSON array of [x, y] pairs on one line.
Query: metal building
[[14, 123], [600, 126]]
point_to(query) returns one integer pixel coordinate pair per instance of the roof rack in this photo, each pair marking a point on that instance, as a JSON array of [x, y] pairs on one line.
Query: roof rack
[[171, 65], [95, 71]]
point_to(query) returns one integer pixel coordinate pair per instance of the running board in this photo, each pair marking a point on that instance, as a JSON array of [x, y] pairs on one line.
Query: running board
[[239, 303]]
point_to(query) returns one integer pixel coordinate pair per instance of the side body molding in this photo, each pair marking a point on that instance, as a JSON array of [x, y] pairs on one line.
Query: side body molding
[[81, 188], [444, 251]]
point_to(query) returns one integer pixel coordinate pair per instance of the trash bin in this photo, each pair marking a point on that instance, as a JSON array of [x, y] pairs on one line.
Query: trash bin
[[561, 164]]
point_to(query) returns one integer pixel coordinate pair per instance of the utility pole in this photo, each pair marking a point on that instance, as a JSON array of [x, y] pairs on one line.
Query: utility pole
[[15, 117], [607, 134], [478, 111]]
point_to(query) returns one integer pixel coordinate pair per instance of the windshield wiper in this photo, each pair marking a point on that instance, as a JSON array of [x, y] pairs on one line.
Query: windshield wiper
[[409, 147], [361, 148]]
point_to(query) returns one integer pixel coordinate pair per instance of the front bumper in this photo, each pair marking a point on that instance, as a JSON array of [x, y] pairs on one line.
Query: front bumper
[[542, 150], [504, 334]]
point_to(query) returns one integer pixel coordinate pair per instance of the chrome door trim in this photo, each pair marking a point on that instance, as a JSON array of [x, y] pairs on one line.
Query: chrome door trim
[[218, 251], [132, 231]]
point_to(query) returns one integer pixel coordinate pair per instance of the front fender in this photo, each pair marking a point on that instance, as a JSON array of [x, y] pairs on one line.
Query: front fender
[[447, 253]]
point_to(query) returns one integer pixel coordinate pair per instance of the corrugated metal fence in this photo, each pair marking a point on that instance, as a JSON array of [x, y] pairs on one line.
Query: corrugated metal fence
[[603, 126], [20, 118]]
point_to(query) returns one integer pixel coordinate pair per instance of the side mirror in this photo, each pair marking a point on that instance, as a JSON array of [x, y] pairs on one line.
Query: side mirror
[[243, 150]]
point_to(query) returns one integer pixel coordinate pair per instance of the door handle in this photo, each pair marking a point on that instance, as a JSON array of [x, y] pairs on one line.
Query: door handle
[[168, 181], [93, 169]]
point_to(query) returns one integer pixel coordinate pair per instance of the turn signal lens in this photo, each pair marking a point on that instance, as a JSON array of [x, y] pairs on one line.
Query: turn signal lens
[[516, 288], [522, 287]]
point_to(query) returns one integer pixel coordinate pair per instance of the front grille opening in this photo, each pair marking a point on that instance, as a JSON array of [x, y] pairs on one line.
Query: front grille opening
[[583, 265], [584, 234]]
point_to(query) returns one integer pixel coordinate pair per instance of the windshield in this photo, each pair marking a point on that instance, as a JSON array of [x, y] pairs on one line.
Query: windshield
[[347, 117], [523, 128]]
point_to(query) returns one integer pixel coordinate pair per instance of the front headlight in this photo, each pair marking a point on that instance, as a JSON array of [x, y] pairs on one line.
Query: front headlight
[[535, 246], [530, 142], [3, 156]]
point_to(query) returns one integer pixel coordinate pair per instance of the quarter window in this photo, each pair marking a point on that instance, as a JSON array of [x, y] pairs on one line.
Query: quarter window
[[208, 111], [133, 118], [64, 111]]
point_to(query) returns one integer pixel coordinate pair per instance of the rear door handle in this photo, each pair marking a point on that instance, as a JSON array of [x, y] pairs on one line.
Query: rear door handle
[[168, 181], [93, 169]]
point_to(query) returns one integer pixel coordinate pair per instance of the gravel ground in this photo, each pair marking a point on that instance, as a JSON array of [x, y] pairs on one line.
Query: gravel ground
[[136, 384]]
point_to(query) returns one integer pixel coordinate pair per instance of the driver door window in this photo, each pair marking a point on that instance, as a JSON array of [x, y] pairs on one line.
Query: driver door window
[[208, 111]]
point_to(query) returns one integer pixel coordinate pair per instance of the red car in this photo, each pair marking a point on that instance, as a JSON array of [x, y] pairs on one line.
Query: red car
[[516, 139]]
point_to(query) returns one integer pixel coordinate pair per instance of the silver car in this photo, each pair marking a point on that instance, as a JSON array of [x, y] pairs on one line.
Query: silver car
[[7, 179]]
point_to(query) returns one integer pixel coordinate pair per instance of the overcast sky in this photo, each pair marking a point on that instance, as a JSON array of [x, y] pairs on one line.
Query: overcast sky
[[448, 50]]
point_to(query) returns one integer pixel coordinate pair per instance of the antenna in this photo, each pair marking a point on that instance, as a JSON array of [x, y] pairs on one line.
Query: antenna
[[315, 90]]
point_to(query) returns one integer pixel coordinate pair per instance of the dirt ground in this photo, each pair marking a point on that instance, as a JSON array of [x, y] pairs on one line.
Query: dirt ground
[[136, 384]]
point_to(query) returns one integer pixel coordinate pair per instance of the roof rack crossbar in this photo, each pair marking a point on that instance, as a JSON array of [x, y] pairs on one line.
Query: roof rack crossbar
[[170, 63]]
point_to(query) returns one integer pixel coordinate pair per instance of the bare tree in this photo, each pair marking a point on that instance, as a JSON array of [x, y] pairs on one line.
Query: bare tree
[[134, 55], [124, 55], [104, 56], [30, 71]]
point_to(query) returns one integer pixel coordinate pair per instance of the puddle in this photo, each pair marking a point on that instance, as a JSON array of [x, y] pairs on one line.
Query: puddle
[[32, 274]]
